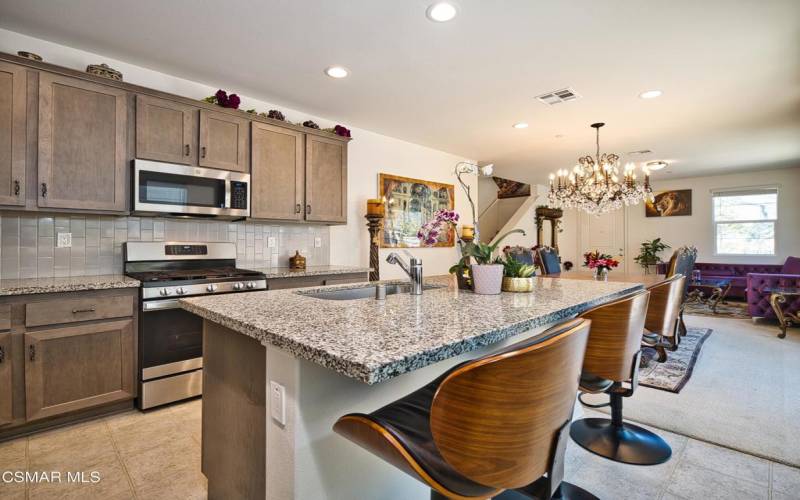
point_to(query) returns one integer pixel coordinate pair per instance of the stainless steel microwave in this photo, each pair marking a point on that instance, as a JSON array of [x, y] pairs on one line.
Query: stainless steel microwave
[[166, 188]]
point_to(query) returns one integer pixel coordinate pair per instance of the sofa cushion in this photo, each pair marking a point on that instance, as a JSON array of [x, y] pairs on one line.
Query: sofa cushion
[[791, 266]]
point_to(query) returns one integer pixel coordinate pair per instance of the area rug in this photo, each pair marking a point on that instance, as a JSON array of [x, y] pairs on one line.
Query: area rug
[[672, 374], [730, 310]]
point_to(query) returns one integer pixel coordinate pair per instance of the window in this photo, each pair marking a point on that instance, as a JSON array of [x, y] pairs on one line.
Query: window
[[744, 221]]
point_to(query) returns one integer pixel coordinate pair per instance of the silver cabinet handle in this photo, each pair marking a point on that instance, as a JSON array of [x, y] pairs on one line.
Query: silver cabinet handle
[[298, 208], [203, 152], [308, 209], [31, 352], [187, 150], [44, 190], [16, 187], [87, 310]]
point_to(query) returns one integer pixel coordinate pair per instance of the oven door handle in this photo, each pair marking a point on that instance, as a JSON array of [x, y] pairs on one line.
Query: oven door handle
[[160, 305]]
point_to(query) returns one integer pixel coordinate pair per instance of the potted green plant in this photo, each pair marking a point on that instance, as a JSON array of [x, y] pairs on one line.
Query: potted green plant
[[487, 274], [517, 277], [648, 253]]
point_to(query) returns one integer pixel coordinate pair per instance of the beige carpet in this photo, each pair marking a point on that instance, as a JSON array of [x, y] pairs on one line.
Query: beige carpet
[[744, 393]]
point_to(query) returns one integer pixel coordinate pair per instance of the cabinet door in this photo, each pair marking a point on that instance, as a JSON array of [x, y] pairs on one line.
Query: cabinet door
[[6, 389], [78, 367], [277, 173], [82, 136], [326, 179], [223, 141], [166, 130], [13, 124]]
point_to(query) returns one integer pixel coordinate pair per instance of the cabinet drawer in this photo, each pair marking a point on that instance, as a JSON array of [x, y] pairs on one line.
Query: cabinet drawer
[[5, 317], [72, 310]]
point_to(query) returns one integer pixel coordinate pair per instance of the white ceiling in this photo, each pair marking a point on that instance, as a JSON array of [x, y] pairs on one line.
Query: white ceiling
[[730, 70]]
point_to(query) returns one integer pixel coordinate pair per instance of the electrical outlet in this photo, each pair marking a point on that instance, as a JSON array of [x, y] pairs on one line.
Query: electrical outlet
[[277, 395], [271, 242], [64, 240], [317, 242]]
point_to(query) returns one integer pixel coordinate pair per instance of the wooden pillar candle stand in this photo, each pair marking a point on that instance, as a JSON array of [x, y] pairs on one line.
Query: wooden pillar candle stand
[[550, 214], [375, 214]]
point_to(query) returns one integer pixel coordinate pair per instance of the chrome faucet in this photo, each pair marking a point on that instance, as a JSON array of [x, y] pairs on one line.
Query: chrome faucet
[[413, 270]]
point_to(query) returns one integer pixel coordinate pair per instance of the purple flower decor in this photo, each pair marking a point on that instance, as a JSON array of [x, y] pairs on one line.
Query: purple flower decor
[[442, 221], [222, 98], [341, 130]]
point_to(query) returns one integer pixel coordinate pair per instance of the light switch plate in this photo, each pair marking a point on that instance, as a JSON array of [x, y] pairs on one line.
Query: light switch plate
[[271, 242], [64, 240], [277, 404], [317, 242]]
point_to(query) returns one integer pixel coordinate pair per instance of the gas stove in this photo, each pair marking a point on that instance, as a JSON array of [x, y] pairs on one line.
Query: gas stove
[[170, 338]]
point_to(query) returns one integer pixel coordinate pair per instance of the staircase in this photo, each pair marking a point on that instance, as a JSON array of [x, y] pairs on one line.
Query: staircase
[[499, 199]]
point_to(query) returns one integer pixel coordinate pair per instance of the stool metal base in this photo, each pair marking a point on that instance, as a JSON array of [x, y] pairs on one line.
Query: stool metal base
[[566, 491], [627, 443]]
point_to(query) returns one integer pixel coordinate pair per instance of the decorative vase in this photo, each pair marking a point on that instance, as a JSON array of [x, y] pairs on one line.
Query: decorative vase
[[487, 279], [601, 273], [517, 284]]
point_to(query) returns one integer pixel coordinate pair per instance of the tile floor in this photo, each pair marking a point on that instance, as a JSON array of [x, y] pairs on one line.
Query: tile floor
[[156, 455]]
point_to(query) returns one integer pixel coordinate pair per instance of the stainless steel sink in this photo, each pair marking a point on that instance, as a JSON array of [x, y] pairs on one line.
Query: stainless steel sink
[[362, 292]]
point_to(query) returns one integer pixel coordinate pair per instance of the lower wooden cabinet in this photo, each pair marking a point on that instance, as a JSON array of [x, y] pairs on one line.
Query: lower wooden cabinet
[[6, 387], [78, 367]]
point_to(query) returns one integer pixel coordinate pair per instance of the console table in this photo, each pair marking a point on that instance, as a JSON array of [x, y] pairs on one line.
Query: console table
[[777, 298]]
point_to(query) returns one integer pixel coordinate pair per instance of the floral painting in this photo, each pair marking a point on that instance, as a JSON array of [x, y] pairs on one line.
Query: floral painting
[[670, 204], [410, 203]]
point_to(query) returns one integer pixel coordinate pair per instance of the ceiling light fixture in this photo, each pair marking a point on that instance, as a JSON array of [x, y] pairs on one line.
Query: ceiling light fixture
[[520, 125], [650, 94], [596, 186], [336, 71], [655, 165], [441, 12]]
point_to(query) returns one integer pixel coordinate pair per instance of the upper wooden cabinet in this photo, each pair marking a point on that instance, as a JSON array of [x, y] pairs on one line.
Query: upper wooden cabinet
[[78, 367], [278, 171], [13, 124], [166, 130], [82, 144], [326, 179], [224, 141]]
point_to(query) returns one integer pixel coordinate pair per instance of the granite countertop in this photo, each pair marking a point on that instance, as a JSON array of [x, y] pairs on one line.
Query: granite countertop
[[285, 272], [374, 341], [28, 286]]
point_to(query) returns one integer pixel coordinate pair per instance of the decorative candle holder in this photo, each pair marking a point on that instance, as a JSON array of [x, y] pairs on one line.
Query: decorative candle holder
[[374, 225]]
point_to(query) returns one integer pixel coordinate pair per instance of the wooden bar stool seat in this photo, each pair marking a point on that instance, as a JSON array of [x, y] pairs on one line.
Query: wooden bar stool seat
[[662, 316], [496, 423], [612, 360]]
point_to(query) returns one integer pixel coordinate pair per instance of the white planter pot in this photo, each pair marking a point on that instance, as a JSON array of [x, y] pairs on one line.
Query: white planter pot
[[487, 279]]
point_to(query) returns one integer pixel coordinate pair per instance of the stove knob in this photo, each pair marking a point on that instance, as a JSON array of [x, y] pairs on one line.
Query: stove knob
[[211, 288], [180, 290], [238, 286], [165, 292], [251, 284]]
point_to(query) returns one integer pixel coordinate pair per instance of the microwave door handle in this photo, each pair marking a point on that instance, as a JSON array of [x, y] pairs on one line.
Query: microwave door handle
[[227, 181]]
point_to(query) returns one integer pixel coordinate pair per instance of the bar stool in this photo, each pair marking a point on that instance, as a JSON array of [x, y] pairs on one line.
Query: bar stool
[[662, 315], [612, 357], [495, 423]]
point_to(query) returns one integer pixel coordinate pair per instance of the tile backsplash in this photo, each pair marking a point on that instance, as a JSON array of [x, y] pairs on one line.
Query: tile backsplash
[[28, 242]]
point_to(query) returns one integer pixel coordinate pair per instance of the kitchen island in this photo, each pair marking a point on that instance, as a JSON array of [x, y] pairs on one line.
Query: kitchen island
[[331, 357]]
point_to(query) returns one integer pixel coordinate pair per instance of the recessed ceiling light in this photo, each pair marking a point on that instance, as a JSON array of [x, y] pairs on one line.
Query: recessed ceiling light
[[336, 71], [441, 12], [650, 94], [520, 125], [655, 165], [559, 136]]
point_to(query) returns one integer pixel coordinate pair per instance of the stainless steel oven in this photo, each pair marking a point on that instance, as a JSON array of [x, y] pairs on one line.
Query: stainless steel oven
[[167, 188]]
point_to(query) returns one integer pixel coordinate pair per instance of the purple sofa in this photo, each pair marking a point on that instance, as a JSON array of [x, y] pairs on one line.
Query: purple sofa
[[737, 273], [758, 305]]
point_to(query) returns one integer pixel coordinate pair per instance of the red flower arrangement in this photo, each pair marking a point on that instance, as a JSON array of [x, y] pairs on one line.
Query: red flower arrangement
[[600, 261]]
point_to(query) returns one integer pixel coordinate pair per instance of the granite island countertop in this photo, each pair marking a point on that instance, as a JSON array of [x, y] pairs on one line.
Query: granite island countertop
[[28, 286], [285, 272], [374, 341]]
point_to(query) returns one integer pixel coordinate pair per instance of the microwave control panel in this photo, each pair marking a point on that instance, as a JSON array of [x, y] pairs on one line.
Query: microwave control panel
[[239, 195]]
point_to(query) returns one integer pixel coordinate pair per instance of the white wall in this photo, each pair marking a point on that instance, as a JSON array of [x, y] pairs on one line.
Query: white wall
[[369, 153], [698, 229]]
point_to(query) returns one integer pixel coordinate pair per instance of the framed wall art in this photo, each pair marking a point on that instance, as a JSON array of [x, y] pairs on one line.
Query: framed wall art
[[670, 204], [409, 204]]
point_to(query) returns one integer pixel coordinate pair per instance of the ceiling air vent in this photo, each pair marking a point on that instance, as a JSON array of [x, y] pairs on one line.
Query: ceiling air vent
[[558, 96]]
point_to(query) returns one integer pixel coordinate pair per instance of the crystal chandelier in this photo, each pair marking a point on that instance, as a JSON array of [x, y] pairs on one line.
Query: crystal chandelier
[[595, 184]]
